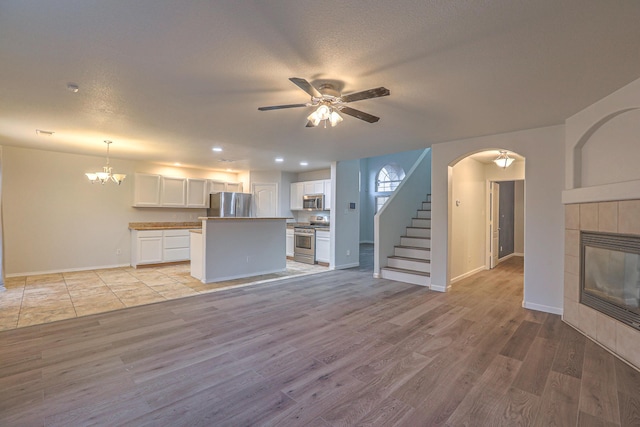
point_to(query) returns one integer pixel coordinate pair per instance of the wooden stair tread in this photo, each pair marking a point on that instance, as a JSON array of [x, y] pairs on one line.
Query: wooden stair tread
[[426, 261], [402, 270], [421, 248]]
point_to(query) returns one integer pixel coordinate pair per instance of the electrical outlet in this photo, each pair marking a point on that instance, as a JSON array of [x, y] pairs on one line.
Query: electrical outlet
[[348, 252], [118, 251]]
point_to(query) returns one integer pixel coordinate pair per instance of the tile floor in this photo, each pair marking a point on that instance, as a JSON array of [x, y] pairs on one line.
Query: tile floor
[[33, 300]]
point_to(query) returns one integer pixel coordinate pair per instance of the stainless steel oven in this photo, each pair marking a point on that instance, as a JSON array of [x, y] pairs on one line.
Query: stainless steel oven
[[304, 249]]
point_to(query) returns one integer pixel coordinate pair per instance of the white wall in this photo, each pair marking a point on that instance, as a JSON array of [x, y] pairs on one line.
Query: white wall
[[314, 175], [345, 230], [56, 220], [544, 232], [468, 217]]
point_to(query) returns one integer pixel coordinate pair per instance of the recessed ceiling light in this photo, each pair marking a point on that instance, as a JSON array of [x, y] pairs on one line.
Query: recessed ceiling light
[[304, 164], [229, 170], [279, 159], [72, 87], [177, 164], [44, 132], [217, 149]]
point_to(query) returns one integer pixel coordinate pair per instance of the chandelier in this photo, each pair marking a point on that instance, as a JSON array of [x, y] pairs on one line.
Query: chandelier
[[503, 160], [325, 114], [107, 173]]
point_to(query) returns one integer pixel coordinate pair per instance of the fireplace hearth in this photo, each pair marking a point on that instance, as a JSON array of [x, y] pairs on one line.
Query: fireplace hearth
[[610, 275]]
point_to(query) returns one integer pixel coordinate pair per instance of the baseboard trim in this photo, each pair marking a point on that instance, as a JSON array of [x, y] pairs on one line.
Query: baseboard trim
[[67, 270], [439, 288], [345, 266], [543, 308], [467, 274]]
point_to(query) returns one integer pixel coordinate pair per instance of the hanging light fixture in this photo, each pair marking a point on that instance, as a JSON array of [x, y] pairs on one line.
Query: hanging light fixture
[[503, 160], [324, 113], [107, 172]]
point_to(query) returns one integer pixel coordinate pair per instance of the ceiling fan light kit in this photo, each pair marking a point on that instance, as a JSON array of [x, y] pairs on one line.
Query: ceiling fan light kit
[[107, 172], [329, 101]]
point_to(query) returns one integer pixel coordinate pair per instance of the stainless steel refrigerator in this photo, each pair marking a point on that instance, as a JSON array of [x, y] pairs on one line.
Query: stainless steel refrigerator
[[229, 205]]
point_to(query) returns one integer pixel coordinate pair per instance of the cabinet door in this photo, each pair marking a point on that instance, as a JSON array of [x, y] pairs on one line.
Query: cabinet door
[[295, 200], [149, 247], [327, 195], [146, 190], [234, 187], [197, 193], [322, 246], [174, 192], [217, 186], [290, 243]]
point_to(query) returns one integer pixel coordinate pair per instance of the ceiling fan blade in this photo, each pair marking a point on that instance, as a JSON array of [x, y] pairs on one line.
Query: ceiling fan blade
[[366, 94], [359, 114], [306, 86], [280, 107]]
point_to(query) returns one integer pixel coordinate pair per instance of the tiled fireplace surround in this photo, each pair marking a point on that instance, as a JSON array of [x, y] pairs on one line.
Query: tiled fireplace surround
[[612, 217]]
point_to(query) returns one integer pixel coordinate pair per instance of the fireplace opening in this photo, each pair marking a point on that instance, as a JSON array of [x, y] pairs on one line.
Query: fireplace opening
[[610, 275]]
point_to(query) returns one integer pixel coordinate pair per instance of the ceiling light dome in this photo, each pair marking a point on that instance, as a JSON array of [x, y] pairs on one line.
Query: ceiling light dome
[[503, 160]]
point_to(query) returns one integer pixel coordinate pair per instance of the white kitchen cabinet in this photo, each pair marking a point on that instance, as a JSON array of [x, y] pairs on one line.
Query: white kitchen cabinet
[[175, 245], [323, 243], [217, 186], [159, 246], [146, 190], [327, 194], [174, 192], [197, 195], [313, 187], [295, 197], [290, 243], [235, 187], [146, 247]]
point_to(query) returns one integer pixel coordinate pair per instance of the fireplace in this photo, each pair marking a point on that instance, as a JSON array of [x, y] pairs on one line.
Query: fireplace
[[610, 275]]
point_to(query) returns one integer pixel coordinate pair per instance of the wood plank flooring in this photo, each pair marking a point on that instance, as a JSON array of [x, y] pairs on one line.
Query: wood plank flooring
[[333, 349]]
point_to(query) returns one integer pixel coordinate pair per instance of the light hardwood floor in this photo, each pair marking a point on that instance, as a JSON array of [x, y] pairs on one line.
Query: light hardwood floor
[[334, 349]]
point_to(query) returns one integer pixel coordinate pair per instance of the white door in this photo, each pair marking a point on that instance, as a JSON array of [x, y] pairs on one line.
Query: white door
[[494, 204], [265, 199]]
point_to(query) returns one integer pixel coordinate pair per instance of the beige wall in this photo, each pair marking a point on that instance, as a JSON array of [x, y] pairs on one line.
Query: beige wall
[[56, 220]]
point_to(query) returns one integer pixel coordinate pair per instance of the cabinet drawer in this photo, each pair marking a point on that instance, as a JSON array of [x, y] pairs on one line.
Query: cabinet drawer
[[149, 233], [174, 242], [172, 233], [176, 254]]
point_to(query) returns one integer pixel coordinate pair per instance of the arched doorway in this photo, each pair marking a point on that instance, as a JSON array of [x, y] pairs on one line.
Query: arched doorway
[[481, 234]]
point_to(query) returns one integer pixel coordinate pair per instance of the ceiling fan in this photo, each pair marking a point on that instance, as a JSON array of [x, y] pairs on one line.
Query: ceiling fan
[[329, 101]]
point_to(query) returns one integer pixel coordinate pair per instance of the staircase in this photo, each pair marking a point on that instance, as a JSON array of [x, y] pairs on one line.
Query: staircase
[[411, 261]]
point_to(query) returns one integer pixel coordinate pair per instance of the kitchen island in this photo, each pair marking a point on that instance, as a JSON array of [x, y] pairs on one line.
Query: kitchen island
[[232, 248]]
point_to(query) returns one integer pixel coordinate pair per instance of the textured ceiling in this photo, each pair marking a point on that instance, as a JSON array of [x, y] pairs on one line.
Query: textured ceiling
[[168, 80]]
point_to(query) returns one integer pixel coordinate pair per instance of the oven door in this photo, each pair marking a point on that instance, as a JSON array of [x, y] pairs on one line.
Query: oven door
[[304, 247]]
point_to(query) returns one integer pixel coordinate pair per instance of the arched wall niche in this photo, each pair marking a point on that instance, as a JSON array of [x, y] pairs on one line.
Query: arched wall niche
[[607, 152]]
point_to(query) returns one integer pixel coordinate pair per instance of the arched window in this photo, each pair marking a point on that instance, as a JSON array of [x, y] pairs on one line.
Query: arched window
[[389, 177]]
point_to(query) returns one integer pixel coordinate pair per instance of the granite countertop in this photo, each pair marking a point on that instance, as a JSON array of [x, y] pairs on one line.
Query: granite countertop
[[164, 225]]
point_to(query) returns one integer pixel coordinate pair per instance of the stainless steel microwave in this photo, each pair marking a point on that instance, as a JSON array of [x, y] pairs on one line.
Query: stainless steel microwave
[[313, 202]]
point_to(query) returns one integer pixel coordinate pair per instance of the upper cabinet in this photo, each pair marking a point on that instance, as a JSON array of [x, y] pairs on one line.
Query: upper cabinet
[[152, 190], [146, 190], [220, 186], [295, 197], [327, 194], [313, 187], [174, 192], [197, 193]]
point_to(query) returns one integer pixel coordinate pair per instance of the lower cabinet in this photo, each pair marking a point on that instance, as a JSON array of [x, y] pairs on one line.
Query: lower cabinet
[[158, 246], [290, 243], [323, 243]]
